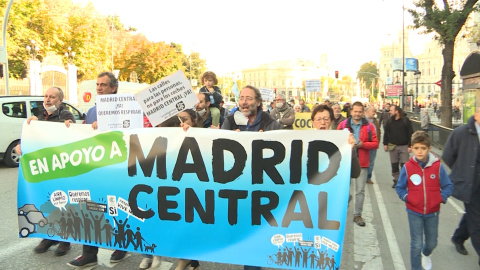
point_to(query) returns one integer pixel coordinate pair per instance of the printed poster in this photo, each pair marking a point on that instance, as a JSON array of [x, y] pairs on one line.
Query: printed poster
[[313, 86], [118, 111], [270, 199], [167, 97], [267, 94]]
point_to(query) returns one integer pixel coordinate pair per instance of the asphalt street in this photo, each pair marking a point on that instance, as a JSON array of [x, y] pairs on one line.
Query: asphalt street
[[382, 244]]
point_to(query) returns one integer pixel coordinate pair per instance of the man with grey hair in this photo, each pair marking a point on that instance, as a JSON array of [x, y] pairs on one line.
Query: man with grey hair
[[337, 115], [425, 123], [283, 113], [107, 84], [53, 111]]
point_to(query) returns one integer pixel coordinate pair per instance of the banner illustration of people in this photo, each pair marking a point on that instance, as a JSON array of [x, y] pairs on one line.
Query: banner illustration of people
[[273, 199]]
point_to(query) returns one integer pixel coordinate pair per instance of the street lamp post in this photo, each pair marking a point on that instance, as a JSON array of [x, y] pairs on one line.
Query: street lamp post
[[417, 75], [33, 52]]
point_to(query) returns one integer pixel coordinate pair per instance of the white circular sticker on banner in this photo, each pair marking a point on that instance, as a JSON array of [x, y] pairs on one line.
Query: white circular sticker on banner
[[416, 179]]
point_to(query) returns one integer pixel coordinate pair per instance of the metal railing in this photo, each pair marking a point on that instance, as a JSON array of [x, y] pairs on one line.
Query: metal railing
[[439, 134]]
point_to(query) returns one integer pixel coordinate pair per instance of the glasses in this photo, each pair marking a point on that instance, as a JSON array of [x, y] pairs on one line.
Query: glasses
[[246, 98], [325, 119]]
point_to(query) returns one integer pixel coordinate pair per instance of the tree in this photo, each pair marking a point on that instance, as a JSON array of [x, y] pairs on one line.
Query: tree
[[445, 21], [369, 73]]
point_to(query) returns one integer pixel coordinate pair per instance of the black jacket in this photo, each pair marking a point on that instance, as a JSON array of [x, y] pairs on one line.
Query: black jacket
[[460, 154]]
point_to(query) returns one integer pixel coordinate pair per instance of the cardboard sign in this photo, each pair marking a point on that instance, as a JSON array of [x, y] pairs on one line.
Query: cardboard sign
[[119, 111], [167, 97], [313, 86], [267, 94]]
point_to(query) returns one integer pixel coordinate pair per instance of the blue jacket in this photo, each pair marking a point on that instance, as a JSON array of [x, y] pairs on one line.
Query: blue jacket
[[91, 115], [424, 191], [460, 154]]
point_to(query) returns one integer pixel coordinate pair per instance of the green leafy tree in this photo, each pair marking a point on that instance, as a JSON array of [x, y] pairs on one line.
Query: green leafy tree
[[369, 73], [56, 25], [445, 19]]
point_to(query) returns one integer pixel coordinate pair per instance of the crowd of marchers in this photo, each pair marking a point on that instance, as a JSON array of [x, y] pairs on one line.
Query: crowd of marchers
[[417, 175]]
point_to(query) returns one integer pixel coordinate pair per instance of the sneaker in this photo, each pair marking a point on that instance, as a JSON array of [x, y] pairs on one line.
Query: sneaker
[[44, 245], [62, 249], [359, 221], [117, 256], [157, 260], [83, 261], [369, 181], [426, 262], [145, 263]]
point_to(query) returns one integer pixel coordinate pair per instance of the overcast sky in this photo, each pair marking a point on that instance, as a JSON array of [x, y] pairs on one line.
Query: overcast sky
[[232, 35]]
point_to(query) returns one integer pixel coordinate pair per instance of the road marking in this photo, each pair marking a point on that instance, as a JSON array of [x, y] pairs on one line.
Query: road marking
[[366, 247], [458, 208], [387, 226]]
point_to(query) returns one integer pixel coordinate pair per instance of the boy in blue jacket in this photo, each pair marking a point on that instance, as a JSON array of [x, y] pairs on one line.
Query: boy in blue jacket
[[423, 184]]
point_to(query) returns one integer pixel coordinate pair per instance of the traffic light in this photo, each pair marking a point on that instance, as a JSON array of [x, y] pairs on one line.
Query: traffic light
[[336, 74]]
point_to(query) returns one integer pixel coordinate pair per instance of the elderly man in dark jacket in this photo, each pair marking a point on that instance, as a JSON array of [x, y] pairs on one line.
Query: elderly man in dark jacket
[[462, 155]]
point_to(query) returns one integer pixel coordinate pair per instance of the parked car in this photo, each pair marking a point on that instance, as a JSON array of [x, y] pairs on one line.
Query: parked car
[[15, 110]]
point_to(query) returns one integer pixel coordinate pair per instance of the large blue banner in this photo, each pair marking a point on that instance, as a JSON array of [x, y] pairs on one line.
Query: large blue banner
[[273, 199]]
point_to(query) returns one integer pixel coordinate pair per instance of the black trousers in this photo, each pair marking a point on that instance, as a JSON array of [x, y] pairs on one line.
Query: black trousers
[[90, 250], [472, 210], [461, 233]]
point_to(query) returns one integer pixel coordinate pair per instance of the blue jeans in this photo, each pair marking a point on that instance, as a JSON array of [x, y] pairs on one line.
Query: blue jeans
[[420, 225], [246, 267], [373, 155]]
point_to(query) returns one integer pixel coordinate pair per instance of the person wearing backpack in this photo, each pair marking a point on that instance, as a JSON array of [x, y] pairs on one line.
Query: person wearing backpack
[[397, 139], [366, 140]]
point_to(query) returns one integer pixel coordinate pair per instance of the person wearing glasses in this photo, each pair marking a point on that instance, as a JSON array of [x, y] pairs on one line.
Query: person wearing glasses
[[254, 118]]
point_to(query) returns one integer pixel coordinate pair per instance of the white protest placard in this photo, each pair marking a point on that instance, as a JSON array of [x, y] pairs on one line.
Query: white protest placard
[[119, 111], [267, 94], [313, 86], [167, 97]]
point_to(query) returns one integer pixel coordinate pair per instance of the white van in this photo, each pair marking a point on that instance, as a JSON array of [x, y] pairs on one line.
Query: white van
[[15, 110]]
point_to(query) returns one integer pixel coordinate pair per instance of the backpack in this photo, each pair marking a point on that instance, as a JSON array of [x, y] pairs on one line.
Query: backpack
[[346, 124]]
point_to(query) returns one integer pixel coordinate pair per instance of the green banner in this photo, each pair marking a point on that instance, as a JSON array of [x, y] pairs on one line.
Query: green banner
[[75, 158]]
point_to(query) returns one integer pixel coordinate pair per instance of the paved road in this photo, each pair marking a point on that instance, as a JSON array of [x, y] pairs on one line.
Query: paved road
[[382, 244]]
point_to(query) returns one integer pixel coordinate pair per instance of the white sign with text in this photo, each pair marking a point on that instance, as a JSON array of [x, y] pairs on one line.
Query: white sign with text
[[120, 111], [267, 94], [313, 86], [167, 97]]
